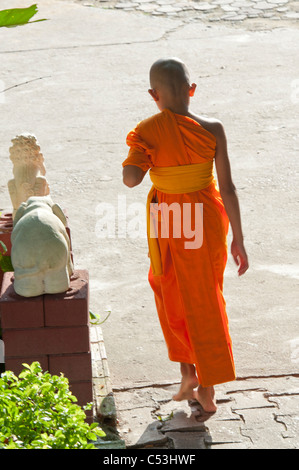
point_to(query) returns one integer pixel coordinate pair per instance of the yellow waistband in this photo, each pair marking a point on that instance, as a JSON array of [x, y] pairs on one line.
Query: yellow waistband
[[183, 178], [174, 180]]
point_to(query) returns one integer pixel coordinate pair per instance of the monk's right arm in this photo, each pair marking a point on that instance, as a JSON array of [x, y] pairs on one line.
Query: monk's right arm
[[132, 175]]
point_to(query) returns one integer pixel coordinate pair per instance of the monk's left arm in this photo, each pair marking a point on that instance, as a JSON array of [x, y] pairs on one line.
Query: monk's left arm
[[230, 199], [132, 175]]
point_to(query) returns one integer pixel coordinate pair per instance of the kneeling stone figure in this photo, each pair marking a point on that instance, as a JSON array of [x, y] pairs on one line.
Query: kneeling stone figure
[[40, 252]]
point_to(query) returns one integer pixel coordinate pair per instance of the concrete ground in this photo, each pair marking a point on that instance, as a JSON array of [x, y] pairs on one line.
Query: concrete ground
[[79, 82]]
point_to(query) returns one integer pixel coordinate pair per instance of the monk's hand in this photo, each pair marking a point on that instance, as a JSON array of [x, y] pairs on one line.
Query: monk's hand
[[240, 256]]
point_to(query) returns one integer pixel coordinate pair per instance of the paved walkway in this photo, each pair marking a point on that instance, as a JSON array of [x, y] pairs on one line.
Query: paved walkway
[[213, 10], [256, 413]]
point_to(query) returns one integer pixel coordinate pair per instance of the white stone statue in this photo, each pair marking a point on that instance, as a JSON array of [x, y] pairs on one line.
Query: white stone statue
[[28, 170], [40, 251]]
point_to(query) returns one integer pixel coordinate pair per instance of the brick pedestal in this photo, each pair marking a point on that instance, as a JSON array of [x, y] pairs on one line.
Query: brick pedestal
[[52, 329]]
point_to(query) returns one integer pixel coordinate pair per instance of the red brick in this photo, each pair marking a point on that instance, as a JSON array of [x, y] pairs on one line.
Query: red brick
[[6, 226], [82, 391], [15, 363], [6, 216], [5, 238], [17, 311], [41, 341], [69, 308], [76, 367], [1, 279]]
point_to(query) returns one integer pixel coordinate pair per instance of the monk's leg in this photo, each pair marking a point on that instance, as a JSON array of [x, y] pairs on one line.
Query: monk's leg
[[189, 382], [170, 311], [206, 397]]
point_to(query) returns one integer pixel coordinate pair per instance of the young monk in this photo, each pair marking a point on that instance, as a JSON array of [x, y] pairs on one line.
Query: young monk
[[179, 148]]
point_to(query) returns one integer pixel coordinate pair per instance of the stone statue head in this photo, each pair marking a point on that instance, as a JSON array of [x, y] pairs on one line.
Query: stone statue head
[[28, 170], [26, 151]]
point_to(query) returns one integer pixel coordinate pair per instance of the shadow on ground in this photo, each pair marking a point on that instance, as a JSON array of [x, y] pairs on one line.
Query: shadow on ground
[[179, 430]]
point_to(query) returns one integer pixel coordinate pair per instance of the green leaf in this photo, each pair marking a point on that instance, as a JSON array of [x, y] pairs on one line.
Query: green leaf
[[27, 366], [92, 315], [18, 16], [93, 425], [95, 318], [46, 387], [36, 368], [24, 374], [5, 264], [3, 244], [91, 436]]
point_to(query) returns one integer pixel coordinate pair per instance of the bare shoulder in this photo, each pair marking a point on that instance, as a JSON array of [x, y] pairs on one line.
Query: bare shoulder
[[212, 125]]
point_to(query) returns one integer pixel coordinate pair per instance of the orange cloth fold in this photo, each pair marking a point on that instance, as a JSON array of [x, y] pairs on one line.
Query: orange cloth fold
[[172, 180], [189, 292]]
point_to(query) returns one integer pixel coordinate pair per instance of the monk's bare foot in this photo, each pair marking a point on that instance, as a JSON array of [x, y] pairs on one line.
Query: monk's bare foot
[[189, 382], [206, 397]]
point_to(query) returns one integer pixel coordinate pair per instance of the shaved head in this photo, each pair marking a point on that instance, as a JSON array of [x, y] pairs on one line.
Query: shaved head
[[169, 74], [170, 85]]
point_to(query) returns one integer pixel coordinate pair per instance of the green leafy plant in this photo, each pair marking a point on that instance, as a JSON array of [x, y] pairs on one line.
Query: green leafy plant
[[95, 318], [18, 16], [38, 411], [5, 260]]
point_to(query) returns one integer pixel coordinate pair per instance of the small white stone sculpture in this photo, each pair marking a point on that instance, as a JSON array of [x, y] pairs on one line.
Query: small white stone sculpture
[[40, 251], [28, 170]]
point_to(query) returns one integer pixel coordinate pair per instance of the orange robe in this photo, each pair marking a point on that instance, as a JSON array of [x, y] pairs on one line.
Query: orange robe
[[189, 293]]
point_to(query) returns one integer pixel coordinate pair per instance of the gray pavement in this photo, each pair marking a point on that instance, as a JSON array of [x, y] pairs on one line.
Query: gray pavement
[[79, 83], [258, 413], [213, 10]]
